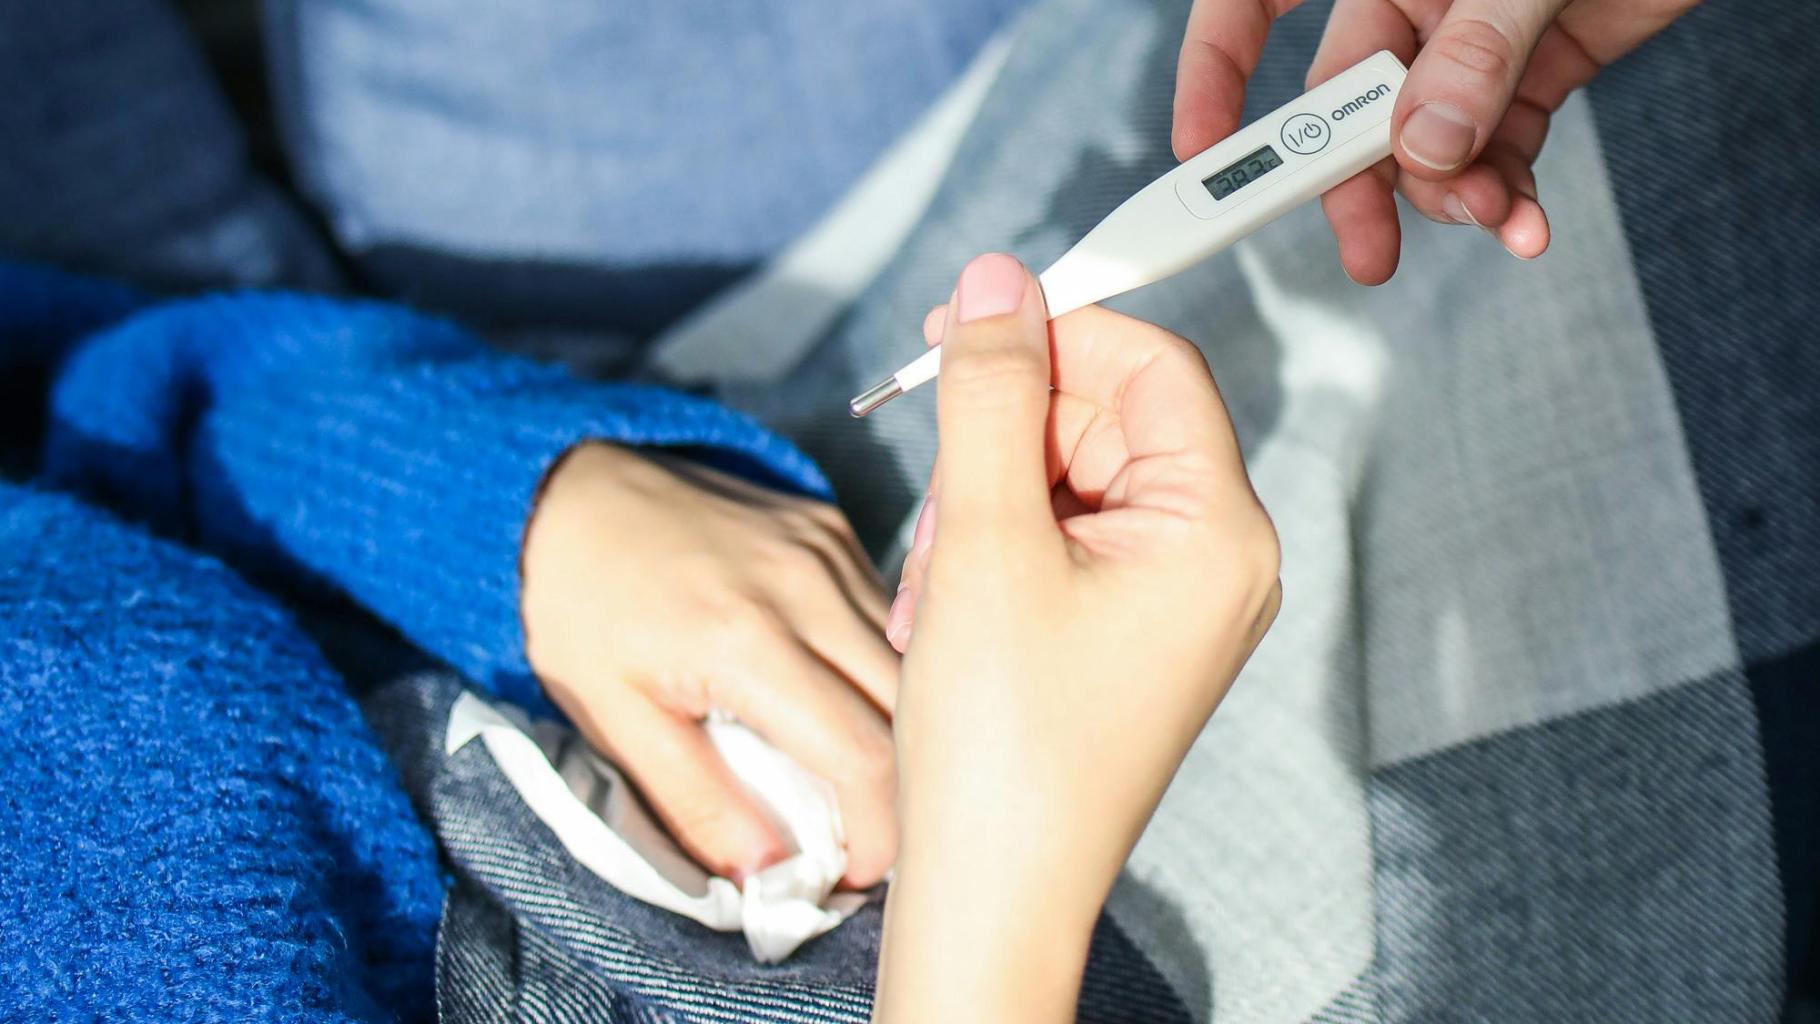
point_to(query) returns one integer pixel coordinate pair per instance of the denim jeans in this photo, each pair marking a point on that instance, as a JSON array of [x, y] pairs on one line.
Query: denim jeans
[[529, 934]]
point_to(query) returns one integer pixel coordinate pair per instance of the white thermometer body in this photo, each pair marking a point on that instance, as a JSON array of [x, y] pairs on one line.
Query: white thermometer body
[[1212, 200]]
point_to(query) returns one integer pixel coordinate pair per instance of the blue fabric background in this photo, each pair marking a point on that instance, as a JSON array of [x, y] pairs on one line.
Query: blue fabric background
[[596, 165]]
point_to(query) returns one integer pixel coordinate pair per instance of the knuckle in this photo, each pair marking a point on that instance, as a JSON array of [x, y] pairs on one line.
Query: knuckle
[[1267, 615], [872, 842], [1267, 553], [1184, 355], [811, 516], [785, 558], [1263, 568], [711, 599], [1479, 47], [1250, 555], [1261, 548], [710, 825], [875, 764], [828, 517], [995, 369], [697, 814], [792, 514], [822, 530], [867, 862], [750, 625], [813, 561]]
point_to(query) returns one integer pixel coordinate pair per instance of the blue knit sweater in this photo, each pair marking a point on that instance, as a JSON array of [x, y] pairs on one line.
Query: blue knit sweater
[[194, 820]]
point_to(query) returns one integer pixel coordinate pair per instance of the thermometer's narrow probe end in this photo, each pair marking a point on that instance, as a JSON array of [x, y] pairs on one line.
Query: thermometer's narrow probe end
[[874, 396]]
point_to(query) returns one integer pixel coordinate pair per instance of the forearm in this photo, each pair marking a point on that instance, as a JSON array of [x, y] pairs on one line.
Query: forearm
[[393, 457]]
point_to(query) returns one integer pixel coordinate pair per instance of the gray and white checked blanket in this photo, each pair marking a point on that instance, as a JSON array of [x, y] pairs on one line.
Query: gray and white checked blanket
[[1537, 735], [529, 935]]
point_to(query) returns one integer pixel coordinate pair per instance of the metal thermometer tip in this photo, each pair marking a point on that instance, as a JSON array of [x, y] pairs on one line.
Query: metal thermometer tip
[[874, 396]]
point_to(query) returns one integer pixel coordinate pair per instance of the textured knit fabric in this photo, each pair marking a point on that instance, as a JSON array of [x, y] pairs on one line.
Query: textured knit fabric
[[199, 823]]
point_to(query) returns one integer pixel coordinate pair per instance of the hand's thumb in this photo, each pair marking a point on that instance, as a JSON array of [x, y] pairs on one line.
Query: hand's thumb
[[1462, 82], [993, 401]]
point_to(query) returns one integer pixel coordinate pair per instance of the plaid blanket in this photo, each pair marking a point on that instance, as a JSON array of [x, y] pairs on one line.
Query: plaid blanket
[[1536, 736], [529, 935]]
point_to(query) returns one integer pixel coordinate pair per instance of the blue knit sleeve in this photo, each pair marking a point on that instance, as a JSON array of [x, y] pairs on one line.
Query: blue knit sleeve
[[389, 455]]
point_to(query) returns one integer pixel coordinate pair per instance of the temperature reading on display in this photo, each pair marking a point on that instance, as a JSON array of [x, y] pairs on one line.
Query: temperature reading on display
[[1242, 172]]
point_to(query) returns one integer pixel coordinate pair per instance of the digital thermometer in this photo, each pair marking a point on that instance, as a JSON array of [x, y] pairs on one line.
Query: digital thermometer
[[1212, 200]]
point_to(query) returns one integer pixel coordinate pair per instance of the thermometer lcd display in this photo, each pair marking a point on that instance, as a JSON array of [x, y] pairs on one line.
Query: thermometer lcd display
[[1242, 172]]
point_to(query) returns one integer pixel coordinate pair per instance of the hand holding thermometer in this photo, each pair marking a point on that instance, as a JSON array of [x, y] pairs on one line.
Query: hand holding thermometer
[[1212, 200]]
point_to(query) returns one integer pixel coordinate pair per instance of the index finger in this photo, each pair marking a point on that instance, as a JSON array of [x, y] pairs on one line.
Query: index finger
[[1362, 209], [1154, 382], [1220, 50], [783, 689]]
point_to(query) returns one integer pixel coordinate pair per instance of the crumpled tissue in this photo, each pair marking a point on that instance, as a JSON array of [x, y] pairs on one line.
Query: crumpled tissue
[[603, 824]]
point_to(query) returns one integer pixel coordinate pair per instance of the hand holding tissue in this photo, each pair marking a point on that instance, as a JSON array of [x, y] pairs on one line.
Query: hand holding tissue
[[604, 825]]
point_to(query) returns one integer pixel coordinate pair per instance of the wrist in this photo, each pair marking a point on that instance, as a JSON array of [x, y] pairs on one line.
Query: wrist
[[558, 539], [986, 936]]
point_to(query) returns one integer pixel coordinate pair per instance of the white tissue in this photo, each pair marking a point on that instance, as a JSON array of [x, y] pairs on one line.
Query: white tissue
[[594, 813]]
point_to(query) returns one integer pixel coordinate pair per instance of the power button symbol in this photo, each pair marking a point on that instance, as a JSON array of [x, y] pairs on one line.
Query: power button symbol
[[1305, 133]]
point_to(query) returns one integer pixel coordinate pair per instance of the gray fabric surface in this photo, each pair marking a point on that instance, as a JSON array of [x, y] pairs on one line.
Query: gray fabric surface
[[528, 934], [1600, 867], [1494, 761]]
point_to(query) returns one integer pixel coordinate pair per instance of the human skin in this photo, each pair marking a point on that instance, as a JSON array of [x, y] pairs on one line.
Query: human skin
[[1484, 78], [656, 591], [1093, 571]]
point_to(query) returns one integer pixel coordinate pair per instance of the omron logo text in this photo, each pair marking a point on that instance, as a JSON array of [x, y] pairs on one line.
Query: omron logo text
[[1356, 105]]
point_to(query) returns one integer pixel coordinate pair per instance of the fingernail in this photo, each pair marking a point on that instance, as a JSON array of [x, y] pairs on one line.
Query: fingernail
[[1457, 211], [897, 624], [991, 285], [1439, 135], [925, 531]]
